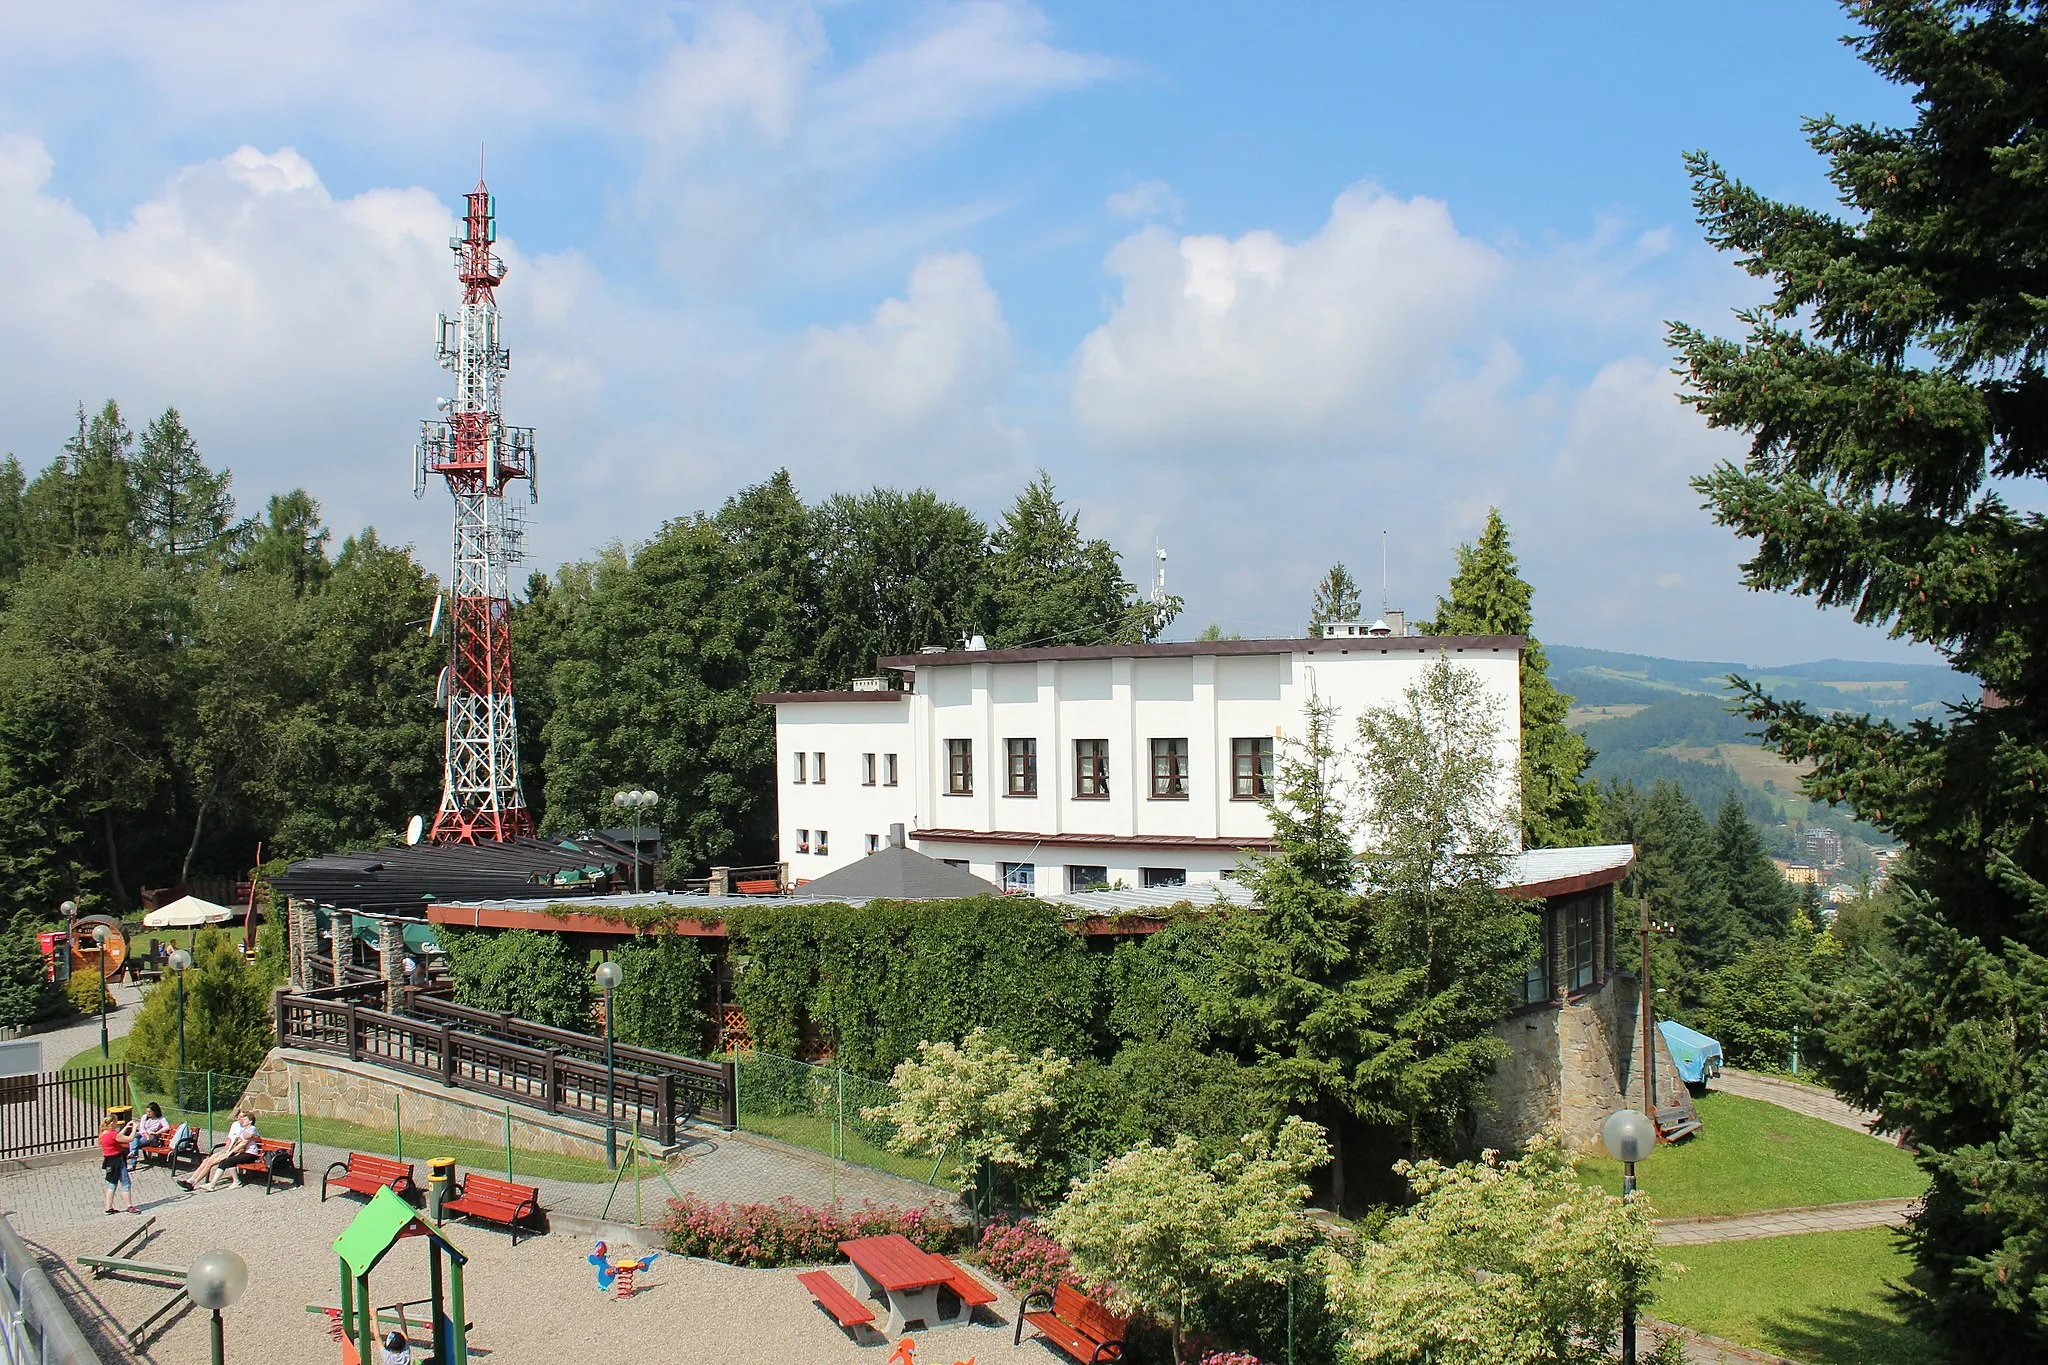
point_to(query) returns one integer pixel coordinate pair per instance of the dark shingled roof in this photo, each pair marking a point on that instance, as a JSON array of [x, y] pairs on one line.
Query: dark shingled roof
[[898, 873], [403, 880]]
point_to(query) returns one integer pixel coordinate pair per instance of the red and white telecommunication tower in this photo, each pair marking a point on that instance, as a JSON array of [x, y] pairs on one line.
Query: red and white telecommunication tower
[[479, 456]]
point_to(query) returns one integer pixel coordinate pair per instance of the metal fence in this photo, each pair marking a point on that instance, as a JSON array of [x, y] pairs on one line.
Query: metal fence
[[57, 1111], [205, 1099], [35, 1326]]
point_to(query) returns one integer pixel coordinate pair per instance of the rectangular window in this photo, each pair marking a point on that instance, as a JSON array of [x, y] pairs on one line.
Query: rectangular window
[[1163, 876], [1087, 879], [803, 841], [959, 767], [1022, 759], [1579, 925], [1251, 769], [824, 844], [1536, 982], [1019, 879], [867, 770], [960, 863], [874, 843], [818, 769], [888, 770], [1091, 769], [1169, 769], [800, 761]]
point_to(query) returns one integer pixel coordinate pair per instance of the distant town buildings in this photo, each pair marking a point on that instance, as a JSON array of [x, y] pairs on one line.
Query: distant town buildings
[[1823, 847], [1799, 874]]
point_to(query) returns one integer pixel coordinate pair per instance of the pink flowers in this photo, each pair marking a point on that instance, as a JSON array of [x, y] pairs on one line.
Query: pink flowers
[[1027, 1260], [785, 1232], [1229, 1358]]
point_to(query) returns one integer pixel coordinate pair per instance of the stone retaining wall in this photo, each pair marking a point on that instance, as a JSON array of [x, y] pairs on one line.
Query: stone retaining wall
[[1570, 1065], [357, 1092]]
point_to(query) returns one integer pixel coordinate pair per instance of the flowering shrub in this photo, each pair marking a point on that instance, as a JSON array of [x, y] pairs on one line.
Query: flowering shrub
[[785, 1232], [1024, 1258], [1229, 1358]]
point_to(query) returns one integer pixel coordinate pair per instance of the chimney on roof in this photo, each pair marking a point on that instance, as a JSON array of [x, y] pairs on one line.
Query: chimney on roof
[[896, 835], [1397, 621]]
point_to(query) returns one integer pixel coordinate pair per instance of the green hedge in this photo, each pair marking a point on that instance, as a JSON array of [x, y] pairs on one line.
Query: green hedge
[[877, 980]]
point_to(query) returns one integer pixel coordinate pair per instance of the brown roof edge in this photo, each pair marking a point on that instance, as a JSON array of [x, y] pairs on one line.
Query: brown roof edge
[[777, 698], [1567, 886], [1187, 649], [1258, 843]]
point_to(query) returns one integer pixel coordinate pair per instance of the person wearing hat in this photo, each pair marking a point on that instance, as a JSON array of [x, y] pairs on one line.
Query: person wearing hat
[[397, 1350]]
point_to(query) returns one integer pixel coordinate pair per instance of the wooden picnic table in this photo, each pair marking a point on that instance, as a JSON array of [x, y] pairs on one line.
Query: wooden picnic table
[[915, 1285]]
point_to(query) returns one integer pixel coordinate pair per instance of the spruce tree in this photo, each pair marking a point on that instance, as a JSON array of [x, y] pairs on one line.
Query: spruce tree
[[1761, 901], [1336, 599], [1048, 586], [182, 508], [1488, 596], [1893, 389]]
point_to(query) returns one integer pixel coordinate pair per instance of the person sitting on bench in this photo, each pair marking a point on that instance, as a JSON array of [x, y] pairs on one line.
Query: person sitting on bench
[[217, 1171], [151, 1126]]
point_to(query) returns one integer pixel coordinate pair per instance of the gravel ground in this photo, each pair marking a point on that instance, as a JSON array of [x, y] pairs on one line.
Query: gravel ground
[[536, 1302]]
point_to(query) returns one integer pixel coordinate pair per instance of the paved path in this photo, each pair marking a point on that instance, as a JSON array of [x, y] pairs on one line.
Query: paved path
[[61, 1044], [1867, 1213], [1799, 1097]]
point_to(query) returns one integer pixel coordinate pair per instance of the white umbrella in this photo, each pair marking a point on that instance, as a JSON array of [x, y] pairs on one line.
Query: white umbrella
[[187, 912]]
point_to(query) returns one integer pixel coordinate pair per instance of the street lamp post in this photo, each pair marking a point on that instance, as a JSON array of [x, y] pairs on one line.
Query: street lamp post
[[100, 936], [608, 976], [215, 1281], [635, 802], [1628, 1137], [180, 960]]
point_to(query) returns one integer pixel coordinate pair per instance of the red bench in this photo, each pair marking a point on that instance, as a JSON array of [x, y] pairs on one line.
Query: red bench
[[765, 886], [495, 1201], [972, 1291], [1077, 1324], [160, 1149], [367, 1174], [833, 1297], [273, 1157]]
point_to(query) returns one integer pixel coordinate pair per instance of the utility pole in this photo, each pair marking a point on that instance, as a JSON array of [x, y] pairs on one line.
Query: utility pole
[[1649, 1024]]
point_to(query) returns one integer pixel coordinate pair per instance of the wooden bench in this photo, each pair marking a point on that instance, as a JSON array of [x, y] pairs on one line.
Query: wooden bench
[[160, 1149], [495, 1201], [1077, 1324], [1677, 1123], [765, 886], [367, 1174], [971, 1290], [833, 1297], [265, 1165]]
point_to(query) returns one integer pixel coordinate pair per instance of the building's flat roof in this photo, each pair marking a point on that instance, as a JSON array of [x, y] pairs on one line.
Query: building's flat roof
[[1187, 649], [1542, 872], [841, 694]]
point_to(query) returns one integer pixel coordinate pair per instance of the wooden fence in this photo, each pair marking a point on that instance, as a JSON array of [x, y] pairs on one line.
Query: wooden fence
[[56, 1112], [554, 1073]]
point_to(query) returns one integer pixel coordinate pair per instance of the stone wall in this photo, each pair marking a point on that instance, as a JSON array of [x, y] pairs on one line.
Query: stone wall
[[335, 1088], [1570, 1065]]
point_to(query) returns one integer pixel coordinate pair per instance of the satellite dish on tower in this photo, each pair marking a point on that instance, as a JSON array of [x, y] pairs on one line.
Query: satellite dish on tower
[[441, 688], [414, 828], [434, 621]]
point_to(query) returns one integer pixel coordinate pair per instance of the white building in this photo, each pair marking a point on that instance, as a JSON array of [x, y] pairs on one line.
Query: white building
[[1072, 767]]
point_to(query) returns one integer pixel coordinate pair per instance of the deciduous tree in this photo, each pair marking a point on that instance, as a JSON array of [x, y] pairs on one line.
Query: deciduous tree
[[976, 1099]]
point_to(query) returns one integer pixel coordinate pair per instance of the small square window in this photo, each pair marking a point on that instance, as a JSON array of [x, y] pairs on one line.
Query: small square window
[[818, 769], [1251, 769], [803, 841], [1087, 878], [867, 770], [801, 762], [888, 770], [1019, 879], [1163, 876], [959, 767], [1169, 769], [960, 863], [874, 843], [1021, 757], [1091, 769], [823, 846]]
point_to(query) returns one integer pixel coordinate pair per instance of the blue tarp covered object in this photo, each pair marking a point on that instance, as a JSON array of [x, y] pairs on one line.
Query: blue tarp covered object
[[1697, 1056]]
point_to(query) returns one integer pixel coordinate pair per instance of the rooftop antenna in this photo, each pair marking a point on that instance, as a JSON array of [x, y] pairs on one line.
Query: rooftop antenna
[[1383, 571], [1159, 575]]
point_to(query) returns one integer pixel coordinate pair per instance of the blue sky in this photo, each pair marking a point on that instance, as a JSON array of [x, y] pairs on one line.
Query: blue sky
[[1256, 282]]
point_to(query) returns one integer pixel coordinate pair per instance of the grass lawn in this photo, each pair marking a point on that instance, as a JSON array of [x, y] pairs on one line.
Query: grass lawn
[[1820, 1297], [1751, 1155]]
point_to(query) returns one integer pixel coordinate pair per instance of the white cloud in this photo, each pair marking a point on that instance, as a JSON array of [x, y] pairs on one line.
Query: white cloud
[[1146, 199], [1257, 339]]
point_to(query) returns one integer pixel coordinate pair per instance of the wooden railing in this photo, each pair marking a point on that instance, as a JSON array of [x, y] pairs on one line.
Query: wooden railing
[[703, 1089], [554, 1079]]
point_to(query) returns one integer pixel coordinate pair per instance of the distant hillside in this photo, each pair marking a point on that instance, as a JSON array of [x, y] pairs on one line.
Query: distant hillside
[[1603, 678], [1651, 719]]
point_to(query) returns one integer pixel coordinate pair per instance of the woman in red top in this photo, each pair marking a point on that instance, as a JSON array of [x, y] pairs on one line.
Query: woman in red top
[[114, 1163]]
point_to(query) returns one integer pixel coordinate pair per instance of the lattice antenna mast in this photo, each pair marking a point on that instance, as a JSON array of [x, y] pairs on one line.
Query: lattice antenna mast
[[479, 456]]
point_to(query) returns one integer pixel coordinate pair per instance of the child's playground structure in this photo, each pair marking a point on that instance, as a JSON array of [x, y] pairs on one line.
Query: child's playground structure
[[383, 1223]]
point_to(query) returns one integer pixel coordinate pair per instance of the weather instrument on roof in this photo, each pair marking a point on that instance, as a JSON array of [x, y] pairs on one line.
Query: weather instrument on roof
[[471, 447], [414, 828], [434, 621]]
